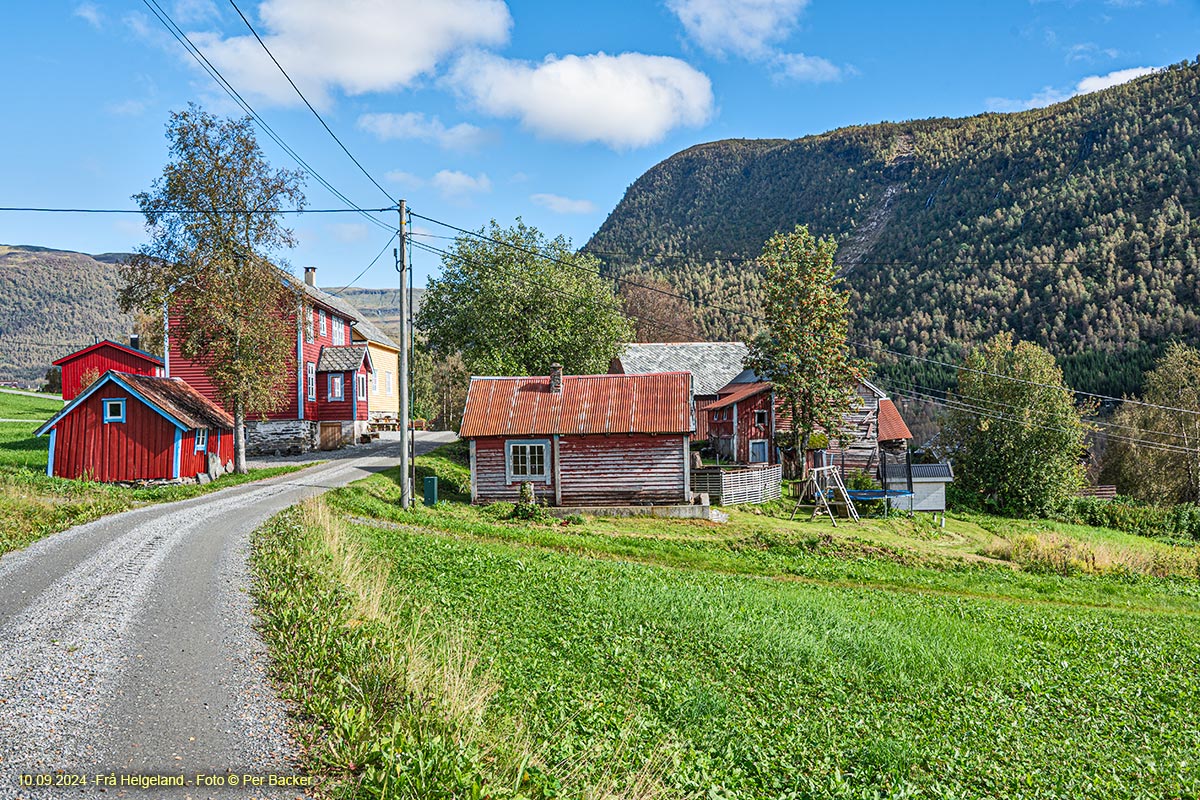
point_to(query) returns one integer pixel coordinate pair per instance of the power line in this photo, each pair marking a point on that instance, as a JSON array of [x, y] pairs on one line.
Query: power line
[[329, 130], [42, 210], [216, 75], [367, 267]]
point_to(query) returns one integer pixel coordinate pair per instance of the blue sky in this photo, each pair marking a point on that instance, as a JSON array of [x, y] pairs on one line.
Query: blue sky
[[480, 109]]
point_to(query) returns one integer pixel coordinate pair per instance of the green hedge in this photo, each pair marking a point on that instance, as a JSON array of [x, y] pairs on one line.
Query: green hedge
[[1123, 514]]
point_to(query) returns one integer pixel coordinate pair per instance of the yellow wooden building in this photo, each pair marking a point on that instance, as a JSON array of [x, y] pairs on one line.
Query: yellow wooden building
[[383, 389]]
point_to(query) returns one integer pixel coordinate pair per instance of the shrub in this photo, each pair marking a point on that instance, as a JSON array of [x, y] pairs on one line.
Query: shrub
[[1130, 516]]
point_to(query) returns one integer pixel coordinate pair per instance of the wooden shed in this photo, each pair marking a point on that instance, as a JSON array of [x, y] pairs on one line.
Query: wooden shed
[[927, 482], [581, 440], [92, 362], [138, 428]]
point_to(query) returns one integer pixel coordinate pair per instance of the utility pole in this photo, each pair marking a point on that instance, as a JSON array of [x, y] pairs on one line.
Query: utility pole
[[406, 487]]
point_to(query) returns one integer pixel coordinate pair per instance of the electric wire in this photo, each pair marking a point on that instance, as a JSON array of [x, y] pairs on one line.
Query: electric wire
[[320, 119], [378, 255], [44, 210]]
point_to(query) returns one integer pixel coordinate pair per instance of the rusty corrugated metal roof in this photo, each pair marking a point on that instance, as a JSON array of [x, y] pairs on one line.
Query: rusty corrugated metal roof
[[658, 402], [891, 424], [739, 393]]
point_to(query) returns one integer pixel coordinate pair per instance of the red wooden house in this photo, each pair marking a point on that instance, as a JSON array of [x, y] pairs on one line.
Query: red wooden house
[[581, 440], [743, 424], [94, 361], [127, 427], [325, 384]]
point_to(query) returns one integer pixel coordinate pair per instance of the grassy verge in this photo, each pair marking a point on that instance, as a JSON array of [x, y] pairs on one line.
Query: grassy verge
[[21, 406], [761, 658], [34, 505]]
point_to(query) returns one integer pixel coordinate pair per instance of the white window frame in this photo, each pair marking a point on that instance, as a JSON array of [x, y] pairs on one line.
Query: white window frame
[[308, 326], [375, 382], [387, 382], [760, 414], [201, 440], [360, 385], [321, 317], [338, 379], [512, 477], [310, 369], [108, 417], [766, 450], [339, 331]]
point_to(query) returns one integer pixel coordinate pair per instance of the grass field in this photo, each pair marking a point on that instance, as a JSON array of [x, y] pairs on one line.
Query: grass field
[[33, 505], [453, 652], [22, 406]]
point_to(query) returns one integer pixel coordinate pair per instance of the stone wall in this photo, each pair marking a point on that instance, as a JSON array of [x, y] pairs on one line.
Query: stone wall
[[283, 437]]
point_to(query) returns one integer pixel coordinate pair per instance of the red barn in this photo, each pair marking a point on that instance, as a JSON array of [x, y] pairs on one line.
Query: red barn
[[744, 421], [325, 399], [581, 440], [98, 359], [137, 428]]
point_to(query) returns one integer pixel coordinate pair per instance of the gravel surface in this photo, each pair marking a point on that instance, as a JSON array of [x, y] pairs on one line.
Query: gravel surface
[[129, 647]]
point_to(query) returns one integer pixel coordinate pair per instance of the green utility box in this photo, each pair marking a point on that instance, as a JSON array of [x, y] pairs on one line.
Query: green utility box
[[431, 490]]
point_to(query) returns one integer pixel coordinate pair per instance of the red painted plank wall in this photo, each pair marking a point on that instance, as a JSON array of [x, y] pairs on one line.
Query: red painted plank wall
[[141, 448], [490, 485], [632, 469], [101, 361]]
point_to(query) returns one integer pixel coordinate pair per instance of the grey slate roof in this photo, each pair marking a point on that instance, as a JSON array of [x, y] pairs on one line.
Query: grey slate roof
[[920, 472], [712, 364], [368, 331], [341, 359]]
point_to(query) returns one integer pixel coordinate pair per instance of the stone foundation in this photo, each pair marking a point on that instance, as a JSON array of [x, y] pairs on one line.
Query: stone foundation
[[282, 436]]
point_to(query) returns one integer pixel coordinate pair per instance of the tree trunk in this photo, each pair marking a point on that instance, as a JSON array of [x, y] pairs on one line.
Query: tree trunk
[[239, 438]]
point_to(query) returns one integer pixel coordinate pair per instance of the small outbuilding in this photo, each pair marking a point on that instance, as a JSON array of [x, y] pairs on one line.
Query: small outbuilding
[[581, 440], [82, 367], [927, 484], [126, 427]]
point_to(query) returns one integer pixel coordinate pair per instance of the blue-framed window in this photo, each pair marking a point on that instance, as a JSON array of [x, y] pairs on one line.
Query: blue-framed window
[[337, 386], [201, 439], [114, 409], [527, 460]]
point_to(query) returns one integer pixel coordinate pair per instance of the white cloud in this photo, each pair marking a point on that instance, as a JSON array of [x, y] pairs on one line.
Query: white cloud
[[458, 185], [744, 28], [127, 108], [357, 46], [626, 100], [89, 13], [191, 12], [1090, 51], [349, 232], [563, 205], [1050, 95], [414, 125], [810, 69], [406, 179]]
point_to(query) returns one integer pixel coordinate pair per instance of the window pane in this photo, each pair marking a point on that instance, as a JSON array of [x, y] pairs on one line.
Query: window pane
[[537, 460], [520, 459]]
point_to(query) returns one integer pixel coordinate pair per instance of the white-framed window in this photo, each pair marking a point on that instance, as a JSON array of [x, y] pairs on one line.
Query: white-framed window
[[375, 382], [114, 409], [716, 416], [758, 451], [321, 317], [387, 382], [361, 385], [760, 417], [339, 331], [201, 439], [527, 460], [310, 370], [308, 326], [337, 387]]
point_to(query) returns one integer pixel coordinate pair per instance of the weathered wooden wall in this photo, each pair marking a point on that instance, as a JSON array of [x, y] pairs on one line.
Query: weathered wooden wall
[[636, 469]]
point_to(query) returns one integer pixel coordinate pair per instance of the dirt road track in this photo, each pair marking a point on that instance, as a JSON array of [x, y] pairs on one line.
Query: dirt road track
[[127, 645]]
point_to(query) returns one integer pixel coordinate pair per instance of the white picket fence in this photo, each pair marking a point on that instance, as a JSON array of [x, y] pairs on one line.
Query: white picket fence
[[729, 487]]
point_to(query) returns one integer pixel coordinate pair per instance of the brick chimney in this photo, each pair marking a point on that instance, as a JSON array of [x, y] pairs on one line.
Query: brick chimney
[[310, 276], [556, 378]]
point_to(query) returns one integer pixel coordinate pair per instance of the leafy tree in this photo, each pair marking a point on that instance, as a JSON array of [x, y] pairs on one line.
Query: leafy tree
[[1163, 466], [1015, 432], [513, 302], [53, 383], [656, 311], [213, 231], [803, 352]]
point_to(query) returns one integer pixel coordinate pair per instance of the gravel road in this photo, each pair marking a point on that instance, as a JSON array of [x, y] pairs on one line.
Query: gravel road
[[127, 648]]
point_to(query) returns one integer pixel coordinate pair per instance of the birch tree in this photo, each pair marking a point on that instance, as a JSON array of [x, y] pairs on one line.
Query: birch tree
[[214, 232]]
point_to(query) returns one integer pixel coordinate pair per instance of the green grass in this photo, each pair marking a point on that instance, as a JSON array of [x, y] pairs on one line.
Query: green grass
[[759, 658], [34, 505], [20, 406]]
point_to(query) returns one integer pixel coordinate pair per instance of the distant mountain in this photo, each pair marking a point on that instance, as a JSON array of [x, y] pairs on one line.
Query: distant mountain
[[55, 301], [1075, 226]]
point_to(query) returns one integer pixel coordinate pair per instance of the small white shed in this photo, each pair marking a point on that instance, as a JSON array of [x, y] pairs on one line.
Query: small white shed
[[928, 486]]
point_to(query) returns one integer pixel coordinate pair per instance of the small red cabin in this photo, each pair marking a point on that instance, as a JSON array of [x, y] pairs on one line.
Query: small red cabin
[[98, 359], [581, 440], [138, 428]]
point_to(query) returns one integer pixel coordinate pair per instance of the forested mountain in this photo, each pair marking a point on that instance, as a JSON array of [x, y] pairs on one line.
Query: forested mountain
[[1074, 226], [53, 302]]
